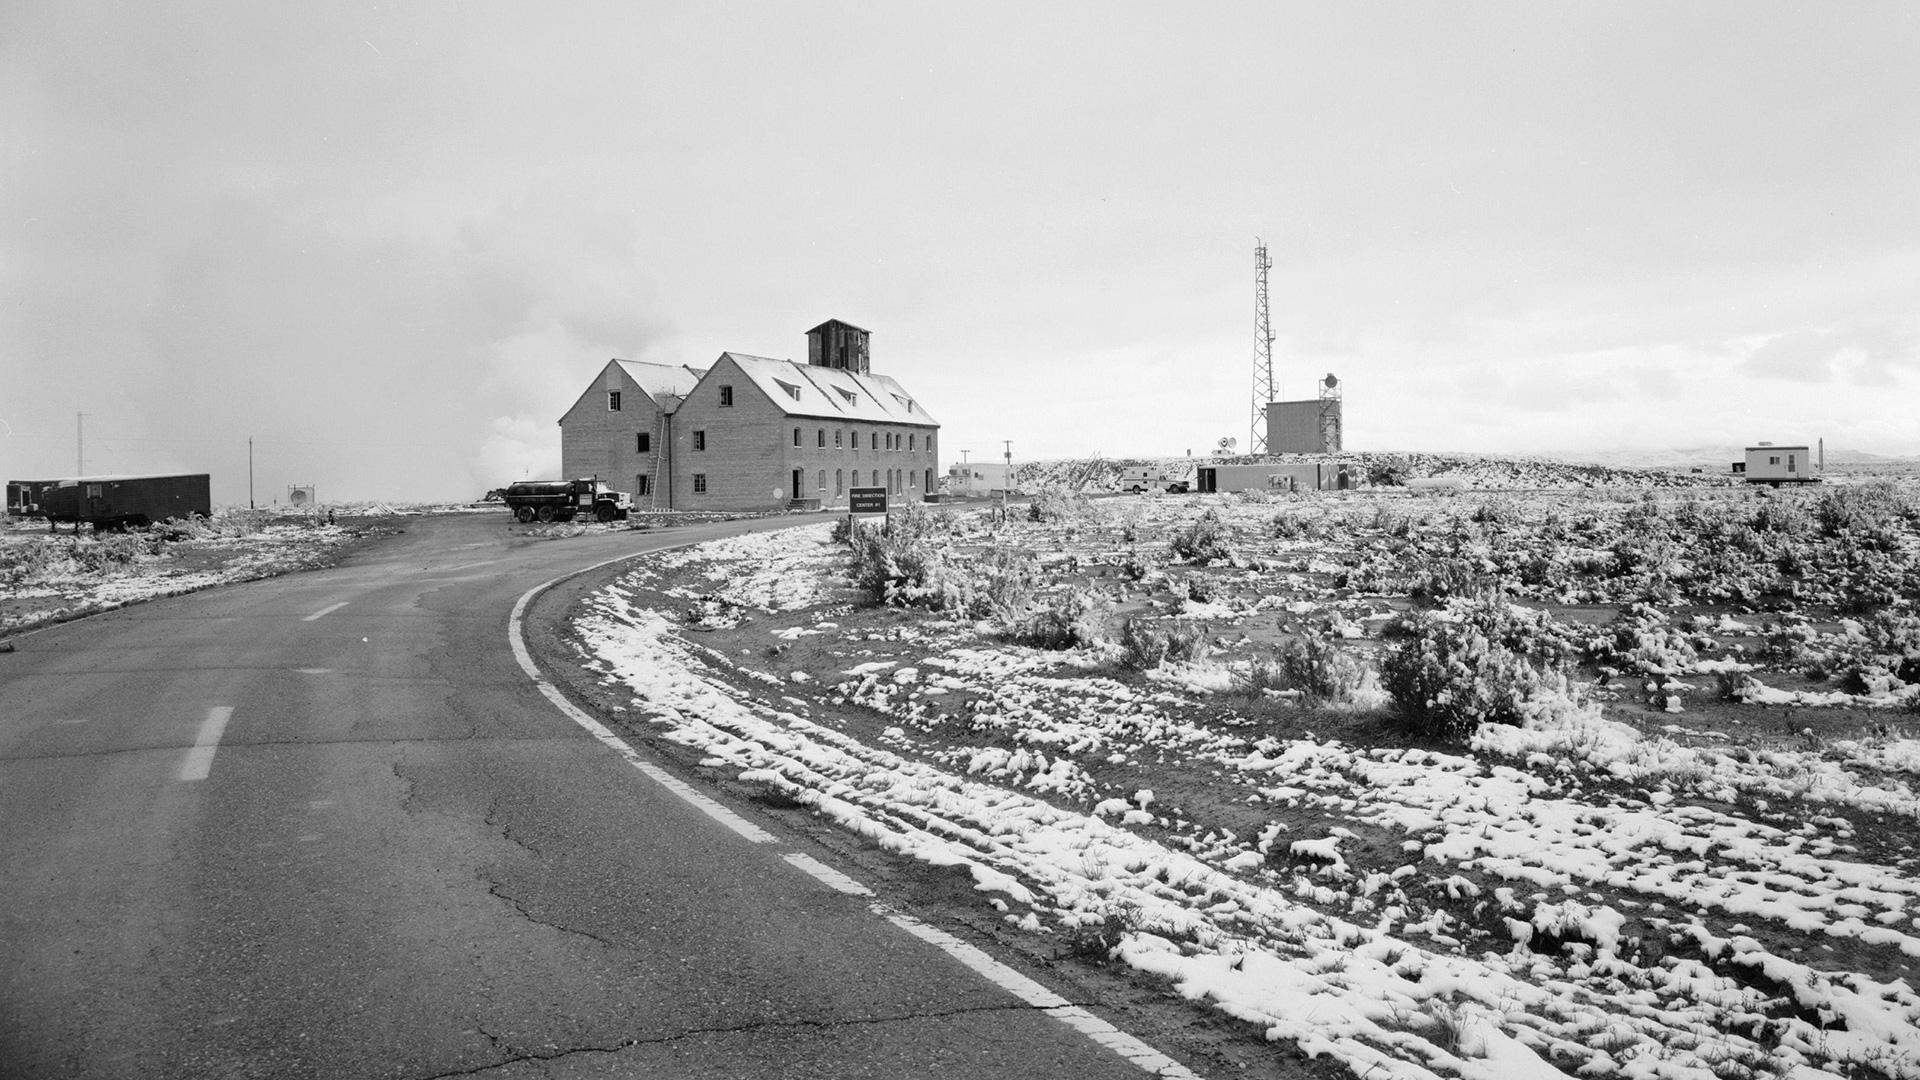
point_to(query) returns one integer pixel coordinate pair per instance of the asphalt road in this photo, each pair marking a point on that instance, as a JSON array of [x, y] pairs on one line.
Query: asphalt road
[[391, 856]]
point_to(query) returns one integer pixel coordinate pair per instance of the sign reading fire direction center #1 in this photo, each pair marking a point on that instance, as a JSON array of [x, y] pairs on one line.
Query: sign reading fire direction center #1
[[867, 500]]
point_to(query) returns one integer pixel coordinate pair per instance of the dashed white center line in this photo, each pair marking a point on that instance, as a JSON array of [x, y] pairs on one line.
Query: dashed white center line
[[200, 759], [325, 610], [463, 566]]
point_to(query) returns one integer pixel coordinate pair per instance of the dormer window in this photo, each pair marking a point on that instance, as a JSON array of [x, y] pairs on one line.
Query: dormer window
[[792, 390], [849, 395]]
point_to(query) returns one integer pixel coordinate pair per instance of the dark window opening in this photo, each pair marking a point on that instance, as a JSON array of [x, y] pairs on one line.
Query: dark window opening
[[613, 401]]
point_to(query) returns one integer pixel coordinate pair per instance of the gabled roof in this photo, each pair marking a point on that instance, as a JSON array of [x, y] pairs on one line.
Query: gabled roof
[[839, 322], [831, 393], [666, 384], [662, 381]]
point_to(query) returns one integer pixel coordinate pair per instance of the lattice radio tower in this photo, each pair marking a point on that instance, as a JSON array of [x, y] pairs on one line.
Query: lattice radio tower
[[1263, 390]]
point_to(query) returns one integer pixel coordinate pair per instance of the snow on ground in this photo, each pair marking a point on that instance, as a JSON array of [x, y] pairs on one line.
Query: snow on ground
[[46, 576], [1613, 900]]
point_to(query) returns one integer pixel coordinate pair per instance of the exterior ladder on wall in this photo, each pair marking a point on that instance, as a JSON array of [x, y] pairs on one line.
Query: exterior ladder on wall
[[653, 472]]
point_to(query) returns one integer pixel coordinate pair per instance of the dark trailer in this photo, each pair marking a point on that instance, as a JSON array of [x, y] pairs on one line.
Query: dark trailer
[[112, 502], [24, 497]]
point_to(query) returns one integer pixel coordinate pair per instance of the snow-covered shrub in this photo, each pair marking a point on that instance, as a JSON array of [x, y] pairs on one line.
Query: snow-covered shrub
[[1202, 589], [1003, 586], [1387, 471], [1448, 676], [1055, 503], [1146, 644], [896, 563], [1496, 512], [1640, 640], [1442, 576], [1063, 620], [1884, 656], [1207, 538], [109, 552], [1316, 667], [1871, 513], [20, 563], [1779, 516]]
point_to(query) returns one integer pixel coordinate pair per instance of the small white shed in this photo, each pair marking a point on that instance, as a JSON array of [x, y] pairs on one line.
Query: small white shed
[[1776, 465]]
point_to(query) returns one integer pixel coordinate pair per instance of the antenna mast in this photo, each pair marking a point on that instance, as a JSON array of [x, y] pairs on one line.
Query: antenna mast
[[1262, 350]]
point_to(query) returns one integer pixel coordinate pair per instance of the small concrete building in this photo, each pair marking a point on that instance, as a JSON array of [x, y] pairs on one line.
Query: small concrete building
[[1776, 465], [755, 433]]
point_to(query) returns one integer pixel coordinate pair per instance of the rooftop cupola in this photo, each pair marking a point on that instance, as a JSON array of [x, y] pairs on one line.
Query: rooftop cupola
[[836, 344]]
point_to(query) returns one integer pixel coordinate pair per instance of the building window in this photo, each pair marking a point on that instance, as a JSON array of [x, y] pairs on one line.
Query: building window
[[613, 401], [823, 479], [876, 478], [796, 436], [929, 479], [873, 441], [643, 443], [699, 440], [820, 439], [643, 484], [836, 438], [912, 480], [699, 483], [839, 481], [726, 397], [911, 439]]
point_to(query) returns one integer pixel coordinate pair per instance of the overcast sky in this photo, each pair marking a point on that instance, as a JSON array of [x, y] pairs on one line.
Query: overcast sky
[[393, 243]]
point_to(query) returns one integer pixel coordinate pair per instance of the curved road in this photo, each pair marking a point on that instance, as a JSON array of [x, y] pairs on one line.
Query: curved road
[[324, 825]]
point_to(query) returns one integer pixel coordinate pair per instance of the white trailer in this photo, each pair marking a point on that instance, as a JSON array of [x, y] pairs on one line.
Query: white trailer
[[1776, 465]]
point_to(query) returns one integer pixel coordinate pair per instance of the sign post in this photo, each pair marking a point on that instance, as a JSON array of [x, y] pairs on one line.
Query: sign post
[[864, 500]]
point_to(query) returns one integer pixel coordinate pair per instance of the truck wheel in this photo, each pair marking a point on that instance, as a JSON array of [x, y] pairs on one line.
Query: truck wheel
[[545, 514], [523, 514], [603, 513]]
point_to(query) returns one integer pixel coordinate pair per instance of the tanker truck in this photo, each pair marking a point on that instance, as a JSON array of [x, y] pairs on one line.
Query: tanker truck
[[560, 500]]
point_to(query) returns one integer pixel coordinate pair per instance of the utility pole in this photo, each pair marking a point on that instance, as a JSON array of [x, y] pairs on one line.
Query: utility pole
[[1263, 387], [1006, 486], [249, 472]]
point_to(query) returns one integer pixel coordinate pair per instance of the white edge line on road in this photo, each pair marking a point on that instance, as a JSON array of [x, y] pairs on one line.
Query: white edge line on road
[[747, 829], [1020, 986], [1038, 996], [325, 611], [200, 759]]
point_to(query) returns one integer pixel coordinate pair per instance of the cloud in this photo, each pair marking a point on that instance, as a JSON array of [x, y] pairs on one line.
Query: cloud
[[1865, 355], [519, 448], [1802, 356]]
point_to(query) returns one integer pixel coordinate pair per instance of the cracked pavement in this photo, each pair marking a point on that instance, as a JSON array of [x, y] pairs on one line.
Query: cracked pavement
[[405, 863]]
